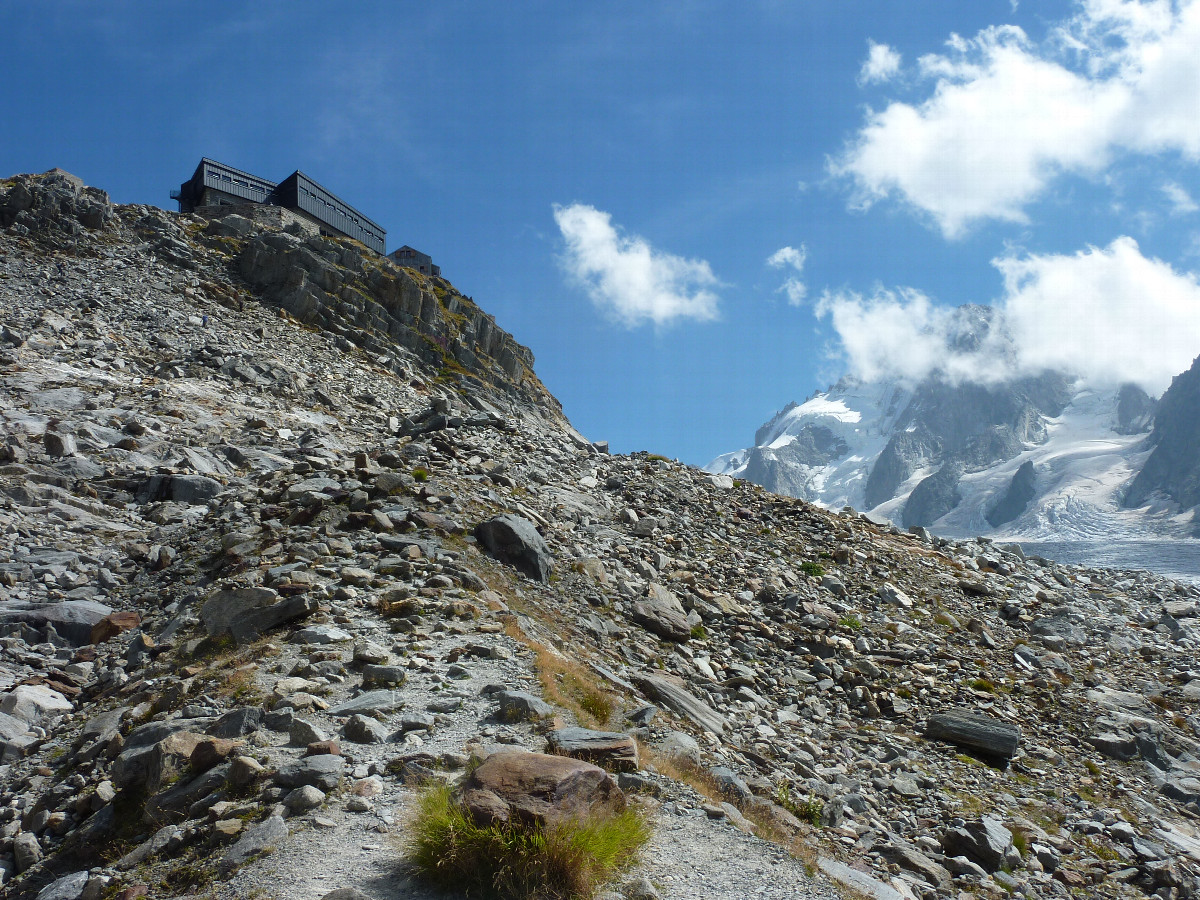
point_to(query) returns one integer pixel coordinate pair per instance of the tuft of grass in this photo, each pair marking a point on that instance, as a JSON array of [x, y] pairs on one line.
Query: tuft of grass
[[815, 569], [699, 632], [420, 474], [568, 683], [564, 862], [982, 684], [851, 622]]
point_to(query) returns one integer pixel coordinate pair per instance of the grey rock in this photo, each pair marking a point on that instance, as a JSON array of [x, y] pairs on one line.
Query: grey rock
[[986, 841], [518, 706], [516, 541], [369, 702], [237, 722], [32, 703], [1021, 490], [68, 887], [661, 612], [679, 701], [72, 619], [364, 730], [257, 839], [323, 771], [303, 799], [301, 733], [987, 736], [26, 850], [610, 750]]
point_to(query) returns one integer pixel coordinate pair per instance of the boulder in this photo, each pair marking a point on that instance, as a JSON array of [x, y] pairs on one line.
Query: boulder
[[538, 789], [516, 541], [246, 613], [986, 841], [983, 734], [32, 703], [264, 836], [71, 619], [661, 613], [611, 750], [518, 706], [679, 701], [371, 701], [323, 771]]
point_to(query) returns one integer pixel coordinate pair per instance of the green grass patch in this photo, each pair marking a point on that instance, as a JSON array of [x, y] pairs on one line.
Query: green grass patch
[[982, 684], [815, 569], [420, 474], [851, 622], [564, 862]]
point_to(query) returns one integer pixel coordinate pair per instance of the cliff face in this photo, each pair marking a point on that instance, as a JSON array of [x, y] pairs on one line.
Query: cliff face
[[262, 579], [1173, 469]]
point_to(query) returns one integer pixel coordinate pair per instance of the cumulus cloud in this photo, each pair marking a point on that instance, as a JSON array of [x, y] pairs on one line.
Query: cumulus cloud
[[882, 64], [1109, 315], [1182, 203], [1004, 117], [628, 279], [793, 285]]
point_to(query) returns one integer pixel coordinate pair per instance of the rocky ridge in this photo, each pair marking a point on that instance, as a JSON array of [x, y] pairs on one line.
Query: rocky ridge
[[260, 581]]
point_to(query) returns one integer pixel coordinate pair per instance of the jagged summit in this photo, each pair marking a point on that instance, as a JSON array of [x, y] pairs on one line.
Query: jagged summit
[[1041, 457], [273, 557]]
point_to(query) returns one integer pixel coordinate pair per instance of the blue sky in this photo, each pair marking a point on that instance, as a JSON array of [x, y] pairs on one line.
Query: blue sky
[[691, 212]]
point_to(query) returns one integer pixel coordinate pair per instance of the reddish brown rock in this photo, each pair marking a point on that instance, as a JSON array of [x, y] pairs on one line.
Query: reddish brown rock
[[211, 751], [536, 788], [113, 624]]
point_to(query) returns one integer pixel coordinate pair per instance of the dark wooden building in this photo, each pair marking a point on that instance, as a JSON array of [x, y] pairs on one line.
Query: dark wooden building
[[216, 184], [415, 259]]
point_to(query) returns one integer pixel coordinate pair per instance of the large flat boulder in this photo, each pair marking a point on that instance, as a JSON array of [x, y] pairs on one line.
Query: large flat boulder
[[661, 613], [613, 750], [679, 701], [516, 541], [31, 703], [538, 789], [973, 731], [71, 619]]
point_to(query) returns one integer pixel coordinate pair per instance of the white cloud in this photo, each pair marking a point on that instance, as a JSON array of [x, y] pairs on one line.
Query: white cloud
[[628, 279], [1004, 117], [1181, 201], [882, 64], [1109, 315], [793, 285]]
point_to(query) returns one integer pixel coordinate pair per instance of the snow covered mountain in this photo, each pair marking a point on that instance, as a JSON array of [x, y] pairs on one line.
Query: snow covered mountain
[[1038, 458]]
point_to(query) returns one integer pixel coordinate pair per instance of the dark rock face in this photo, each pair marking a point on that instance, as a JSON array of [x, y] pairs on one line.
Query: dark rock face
[[933, 497], [516, 541], [1173, 469], [1135, 410], [1021, 490]]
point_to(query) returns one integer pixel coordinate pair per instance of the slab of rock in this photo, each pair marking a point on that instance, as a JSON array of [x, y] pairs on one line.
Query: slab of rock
[[31, 703], [247, 612], [69, 887], [661, 613], [72, 619], [518, 706], [681, 702], [859, 881], [516, 541], [983, 734], [371, 701], [362, 729], [538, 789], [323, 771], [612, 750], [266, 835], [986, 841]]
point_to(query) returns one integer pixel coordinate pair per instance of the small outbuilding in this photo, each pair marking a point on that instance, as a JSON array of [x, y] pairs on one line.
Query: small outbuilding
[[414, 259]]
